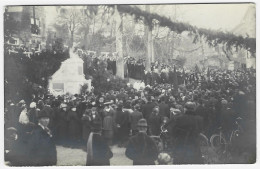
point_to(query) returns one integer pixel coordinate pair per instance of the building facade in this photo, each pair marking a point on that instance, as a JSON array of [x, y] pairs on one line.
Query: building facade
[[25, 26]]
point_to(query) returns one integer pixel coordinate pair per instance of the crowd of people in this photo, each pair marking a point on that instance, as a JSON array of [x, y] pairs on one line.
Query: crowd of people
[[127, 118], [135, 69]]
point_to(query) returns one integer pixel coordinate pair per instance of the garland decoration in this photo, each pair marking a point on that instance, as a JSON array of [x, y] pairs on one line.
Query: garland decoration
[[212, 37]]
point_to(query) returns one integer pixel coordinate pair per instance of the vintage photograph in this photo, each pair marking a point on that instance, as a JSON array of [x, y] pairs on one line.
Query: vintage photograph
[[122, 84]]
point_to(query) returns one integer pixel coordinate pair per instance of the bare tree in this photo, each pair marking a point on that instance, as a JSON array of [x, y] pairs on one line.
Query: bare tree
[[71, 18]]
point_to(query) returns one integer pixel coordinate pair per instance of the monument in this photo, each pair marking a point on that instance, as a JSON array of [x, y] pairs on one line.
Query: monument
[[70, 77]]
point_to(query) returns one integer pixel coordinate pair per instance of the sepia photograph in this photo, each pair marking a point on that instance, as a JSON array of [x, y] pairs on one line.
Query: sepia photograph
[[129, 84]]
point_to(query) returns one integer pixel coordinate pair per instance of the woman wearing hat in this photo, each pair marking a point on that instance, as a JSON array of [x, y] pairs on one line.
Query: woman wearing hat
[[98, 151], [108, 123], [62, 123], [141, 148], [74, 128]]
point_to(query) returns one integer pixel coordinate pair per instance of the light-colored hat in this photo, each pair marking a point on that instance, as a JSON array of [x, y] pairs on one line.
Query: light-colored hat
[[63, 105], [164, 158], [33, 105], [190, 105], [22, 102]]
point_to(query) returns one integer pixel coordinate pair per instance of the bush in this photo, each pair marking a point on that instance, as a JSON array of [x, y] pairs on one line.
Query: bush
[[22, 73], [102, 79]]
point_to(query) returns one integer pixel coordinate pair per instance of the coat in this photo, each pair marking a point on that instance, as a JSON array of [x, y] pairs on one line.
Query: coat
[[38, 150], [185, 131], [154, 123], [108, 127], [122, 120], [147, 109], [164, 109], [99, 152], [62, 124], [86, 126], [142, 150], [134, 118], [74, 129]]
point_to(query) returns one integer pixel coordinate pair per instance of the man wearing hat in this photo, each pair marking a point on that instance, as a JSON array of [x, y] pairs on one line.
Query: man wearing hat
[[38, 150], [228, 118], [141, 148], [185, 131], [148, 107], [134, 118]]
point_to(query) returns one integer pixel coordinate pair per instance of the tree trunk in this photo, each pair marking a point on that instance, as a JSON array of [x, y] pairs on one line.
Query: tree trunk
[[71, 38], [152, 52], [119, 45], [148, 33]]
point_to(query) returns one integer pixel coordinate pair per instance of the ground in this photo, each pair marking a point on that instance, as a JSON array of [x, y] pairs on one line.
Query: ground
[[76, 156]]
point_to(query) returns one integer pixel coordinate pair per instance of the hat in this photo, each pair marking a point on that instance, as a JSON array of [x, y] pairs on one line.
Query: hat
[[142, 123], [137, 106], [22, 102], [93, 108], [33, 105], [190, 105], [225, 102], [63, 105], [177, 111], [43, 114], [164, 158], [107, 103]]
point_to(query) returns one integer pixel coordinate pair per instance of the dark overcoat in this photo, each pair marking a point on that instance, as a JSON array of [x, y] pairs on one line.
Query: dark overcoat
[[38, 150], [142, 150], [101, 152]]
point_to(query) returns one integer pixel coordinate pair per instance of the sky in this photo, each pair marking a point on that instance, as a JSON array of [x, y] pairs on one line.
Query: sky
[[211, 16]]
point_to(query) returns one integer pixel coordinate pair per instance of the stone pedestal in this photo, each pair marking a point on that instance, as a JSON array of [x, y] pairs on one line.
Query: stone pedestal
[[69, 78]]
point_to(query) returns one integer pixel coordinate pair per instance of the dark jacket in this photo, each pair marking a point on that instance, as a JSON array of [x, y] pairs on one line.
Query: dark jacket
[[185, 131], [147, 109], [164, 109], [142, 150], [101, 152], [122, 119], [154, 123], [134, 118], [38, 150]]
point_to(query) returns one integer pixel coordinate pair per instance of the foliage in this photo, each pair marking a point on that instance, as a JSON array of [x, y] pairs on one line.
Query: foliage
[[181, 60], [102, 79], [22, 73], [11, 26], [137, 47], [71, 19], [213, 37], [84, 89]]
